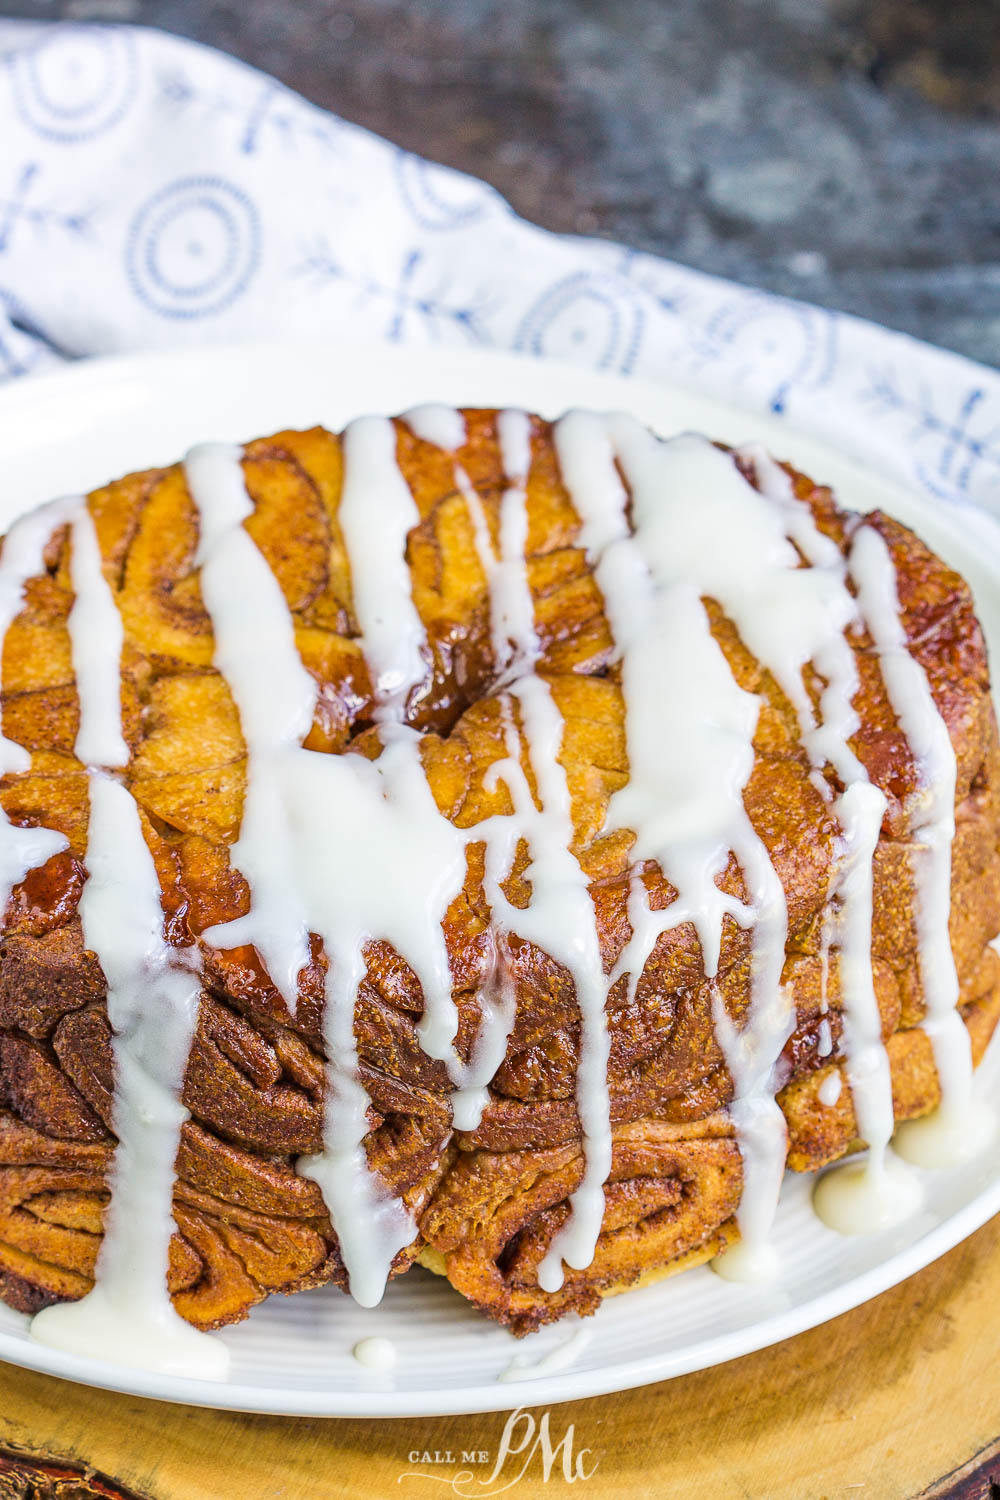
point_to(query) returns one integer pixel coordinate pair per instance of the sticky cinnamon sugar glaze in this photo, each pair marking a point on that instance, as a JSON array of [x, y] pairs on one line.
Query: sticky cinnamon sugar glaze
[[403, 706]]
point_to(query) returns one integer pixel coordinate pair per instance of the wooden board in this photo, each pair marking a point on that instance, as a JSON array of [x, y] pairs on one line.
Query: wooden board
[[895, 1400]]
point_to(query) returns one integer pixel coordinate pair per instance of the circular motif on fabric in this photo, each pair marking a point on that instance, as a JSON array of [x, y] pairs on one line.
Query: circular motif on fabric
[[437, 197], [75, 82], [193, 248], [588, 318], [776, 346]]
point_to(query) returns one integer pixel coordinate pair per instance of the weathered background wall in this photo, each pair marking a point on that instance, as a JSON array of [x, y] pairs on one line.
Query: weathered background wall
[[845, 151]]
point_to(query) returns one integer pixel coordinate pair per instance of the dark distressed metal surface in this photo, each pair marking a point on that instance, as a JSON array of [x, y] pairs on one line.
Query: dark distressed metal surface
[[845, 151], [979, 1479]]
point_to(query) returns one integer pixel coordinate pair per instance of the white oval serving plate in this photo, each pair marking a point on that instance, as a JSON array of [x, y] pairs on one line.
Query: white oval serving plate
[[77, 428]]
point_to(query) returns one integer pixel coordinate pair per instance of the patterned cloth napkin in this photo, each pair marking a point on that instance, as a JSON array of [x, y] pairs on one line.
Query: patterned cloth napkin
[[156, 193]]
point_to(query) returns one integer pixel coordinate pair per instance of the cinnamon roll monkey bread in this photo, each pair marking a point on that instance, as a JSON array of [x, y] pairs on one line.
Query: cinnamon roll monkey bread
[[477, 841]]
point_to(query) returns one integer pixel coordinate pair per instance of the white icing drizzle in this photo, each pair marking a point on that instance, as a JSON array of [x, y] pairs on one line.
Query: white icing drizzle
[[153, 993], [509, 597], [560, 920], [960, 1125], [407, 865], [303, 808], [375, 1353], [689, 731], [560, 915], [512, 619], [559, 1357], [512, 607], [830, 1089], [441, 426], [153, 1009], [854, 1199], [305, 805], [24, 849], [497, 1014], [96, 635], [444, 427], [395, 641], [255, 652], [514, 437], [859, 809], [376, 515]]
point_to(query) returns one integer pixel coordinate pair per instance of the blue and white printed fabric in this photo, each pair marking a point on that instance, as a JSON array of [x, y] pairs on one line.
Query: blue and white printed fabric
[[155, 193]]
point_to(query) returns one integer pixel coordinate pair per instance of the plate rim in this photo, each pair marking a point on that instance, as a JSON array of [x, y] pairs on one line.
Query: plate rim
[[548, 1390], [57, 383]]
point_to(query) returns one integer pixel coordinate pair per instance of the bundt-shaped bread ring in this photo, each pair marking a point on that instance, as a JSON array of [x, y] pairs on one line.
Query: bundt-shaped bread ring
[[482, 1188]]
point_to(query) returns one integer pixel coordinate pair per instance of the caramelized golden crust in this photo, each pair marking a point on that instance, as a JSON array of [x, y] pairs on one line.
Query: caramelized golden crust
[[489, 1200]]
